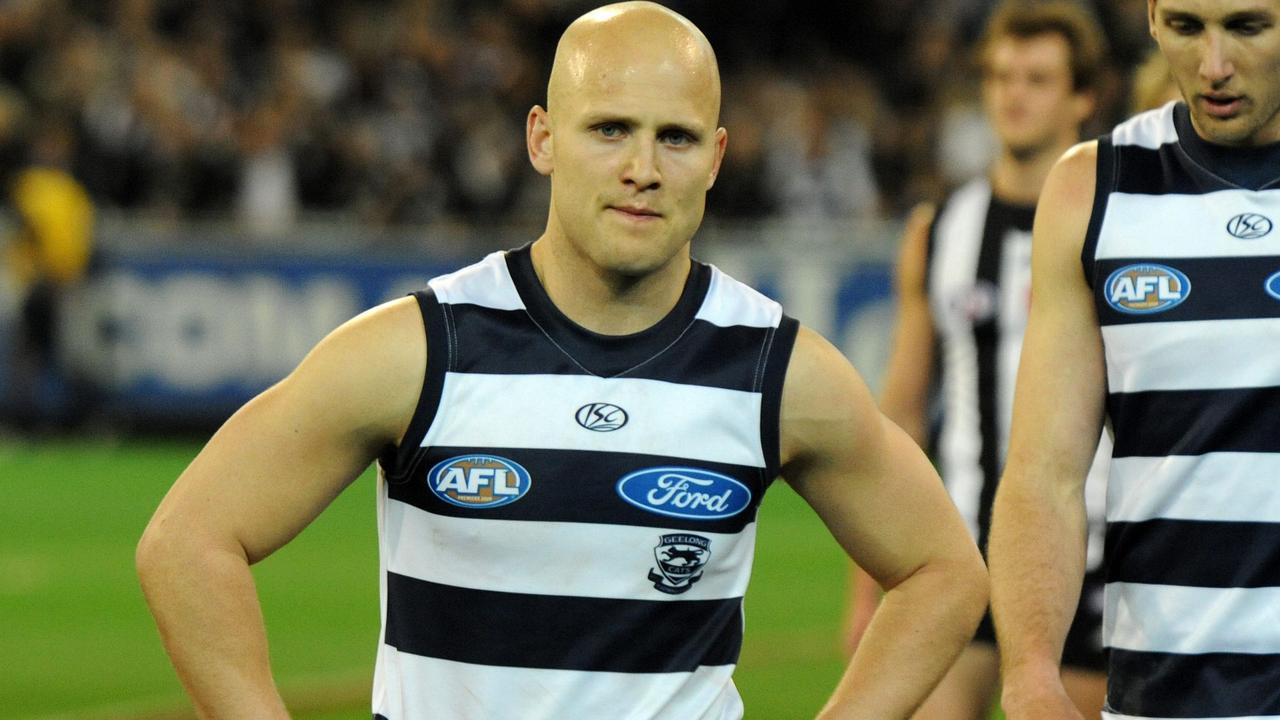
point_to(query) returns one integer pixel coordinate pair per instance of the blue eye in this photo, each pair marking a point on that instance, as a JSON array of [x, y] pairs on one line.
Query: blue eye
[[610, 130], [677, 138]]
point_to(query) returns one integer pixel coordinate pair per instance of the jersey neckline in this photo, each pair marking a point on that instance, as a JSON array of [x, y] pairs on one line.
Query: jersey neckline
[[596, 353], [1251, 168]]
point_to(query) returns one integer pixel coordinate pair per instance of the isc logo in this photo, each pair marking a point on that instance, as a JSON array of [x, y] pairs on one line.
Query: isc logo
[[479, 481], [1146, 288]]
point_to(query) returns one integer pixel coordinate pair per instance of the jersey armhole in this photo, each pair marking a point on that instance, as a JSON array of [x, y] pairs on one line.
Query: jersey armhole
[[398, 462], [1104, 184], [777, 359]]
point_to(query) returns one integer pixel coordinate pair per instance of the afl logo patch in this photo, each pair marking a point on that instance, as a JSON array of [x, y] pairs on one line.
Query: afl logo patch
[[1146, 288], [684, 492], [680, 557], [1249, 226], [601, 417], [479, 481], [1273, 286]]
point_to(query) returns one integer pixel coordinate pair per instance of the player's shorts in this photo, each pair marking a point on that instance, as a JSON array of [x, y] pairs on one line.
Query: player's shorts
[[1083, 648]]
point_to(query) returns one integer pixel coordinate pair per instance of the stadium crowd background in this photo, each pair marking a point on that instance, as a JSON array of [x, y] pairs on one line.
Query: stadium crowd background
[[361, 127], [390, 112]]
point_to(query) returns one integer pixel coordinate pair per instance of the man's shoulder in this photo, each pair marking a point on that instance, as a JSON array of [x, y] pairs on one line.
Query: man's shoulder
[[384, 326], [1071, 182]]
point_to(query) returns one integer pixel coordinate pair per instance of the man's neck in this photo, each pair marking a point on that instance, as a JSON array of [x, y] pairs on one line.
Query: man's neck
[[605, 302], [1018, 178]]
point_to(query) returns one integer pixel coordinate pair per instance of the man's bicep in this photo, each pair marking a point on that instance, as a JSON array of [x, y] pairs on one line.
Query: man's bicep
[[907, 377], [868, 481], [1061, 386], [1058, 404], [280, 460]]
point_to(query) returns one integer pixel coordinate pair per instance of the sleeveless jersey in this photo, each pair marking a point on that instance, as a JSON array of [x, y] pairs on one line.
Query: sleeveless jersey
[[979, 289], [1184, 265], [568, 527]]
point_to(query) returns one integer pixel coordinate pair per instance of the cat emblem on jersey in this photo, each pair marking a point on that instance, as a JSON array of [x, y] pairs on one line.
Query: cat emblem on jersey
[[680, 558]]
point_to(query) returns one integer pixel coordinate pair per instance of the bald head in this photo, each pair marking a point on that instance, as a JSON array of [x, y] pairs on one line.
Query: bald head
[[631, 41]]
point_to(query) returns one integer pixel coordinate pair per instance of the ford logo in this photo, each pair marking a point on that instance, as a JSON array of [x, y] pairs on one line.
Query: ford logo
[[1249, 226], [479, 481], [685, 492], [1272, 286], [1146, 288], [601, 417]]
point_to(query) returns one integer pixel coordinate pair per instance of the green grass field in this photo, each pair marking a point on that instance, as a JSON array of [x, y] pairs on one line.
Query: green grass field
[[77, 641]]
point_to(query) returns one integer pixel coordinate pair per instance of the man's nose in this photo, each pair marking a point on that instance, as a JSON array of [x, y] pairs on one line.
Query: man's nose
[[1215, 66], [641, 168]]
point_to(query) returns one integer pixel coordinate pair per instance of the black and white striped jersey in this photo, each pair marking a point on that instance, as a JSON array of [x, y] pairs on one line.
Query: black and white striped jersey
[[979, 290], [1184, 263], [568, 528]]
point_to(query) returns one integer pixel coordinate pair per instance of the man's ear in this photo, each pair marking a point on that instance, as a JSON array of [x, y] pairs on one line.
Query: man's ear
[[722, 141], [538, 140]]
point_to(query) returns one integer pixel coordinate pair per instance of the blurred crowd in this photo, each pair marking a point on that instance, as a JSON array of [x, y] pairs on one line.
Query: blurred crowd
[[389, 112]]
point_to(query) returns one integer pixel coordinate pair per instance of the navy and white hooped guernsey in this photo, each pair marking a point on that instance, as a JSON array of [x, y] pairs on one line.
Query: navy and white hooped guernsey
[[1182, 255], [568, 528]]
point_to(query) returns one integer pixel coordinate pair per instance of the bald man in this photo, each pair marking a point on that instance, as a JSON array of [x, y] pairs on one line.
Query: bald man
[[572, 439]]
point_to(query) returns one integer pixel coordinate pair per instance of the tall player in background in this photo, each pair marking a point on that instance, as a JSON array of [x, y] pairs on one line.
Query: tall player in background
[[963, 290], [1156, 278], [574, 438]]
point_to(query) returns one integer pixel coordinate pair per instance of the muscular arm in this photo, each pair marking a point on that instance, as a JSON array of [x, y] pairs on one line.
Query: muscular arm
[[906, 390], [1037, 546], [877, 493], [905, 397], [267, 473]]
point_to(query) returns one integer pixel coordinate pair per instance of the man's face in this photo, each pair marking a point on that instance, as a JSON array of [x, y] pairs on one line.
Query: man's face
[[1224, 56], [1027, 92], [635, 148]]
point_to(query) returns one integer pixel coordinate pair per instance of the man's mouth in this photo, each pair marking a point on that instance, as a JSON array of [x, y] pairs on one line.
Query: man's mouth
[[1221, 105], [635, 211]]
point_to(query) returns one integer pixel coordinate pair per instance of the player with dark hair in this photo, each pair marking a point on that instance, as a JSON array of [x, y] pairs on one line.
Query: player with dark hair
[[573, 439], [963, 284], [1156, 297]]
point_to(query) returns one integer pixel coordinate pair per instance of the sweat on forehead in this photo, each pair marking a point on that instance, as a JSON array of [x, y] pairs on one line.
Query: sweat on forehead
[[630, 37]]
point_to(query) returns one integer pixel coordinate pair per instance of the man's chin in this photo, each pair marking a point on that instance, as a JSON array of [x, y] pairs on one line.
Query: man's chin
[[1235, 129], [639, 263], [1023, 151]]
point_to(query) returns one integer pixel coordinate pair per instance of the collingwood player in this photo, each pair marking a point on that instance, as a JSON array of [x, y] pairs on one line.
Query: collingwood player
[[573, 439], [963, 291], [1156, 281]]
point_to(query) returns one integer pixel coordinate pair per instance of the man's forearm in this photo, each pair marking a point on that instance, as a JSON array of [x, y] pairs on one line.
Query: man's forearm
[[1036, 555], [922, 624], [206, 607]]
